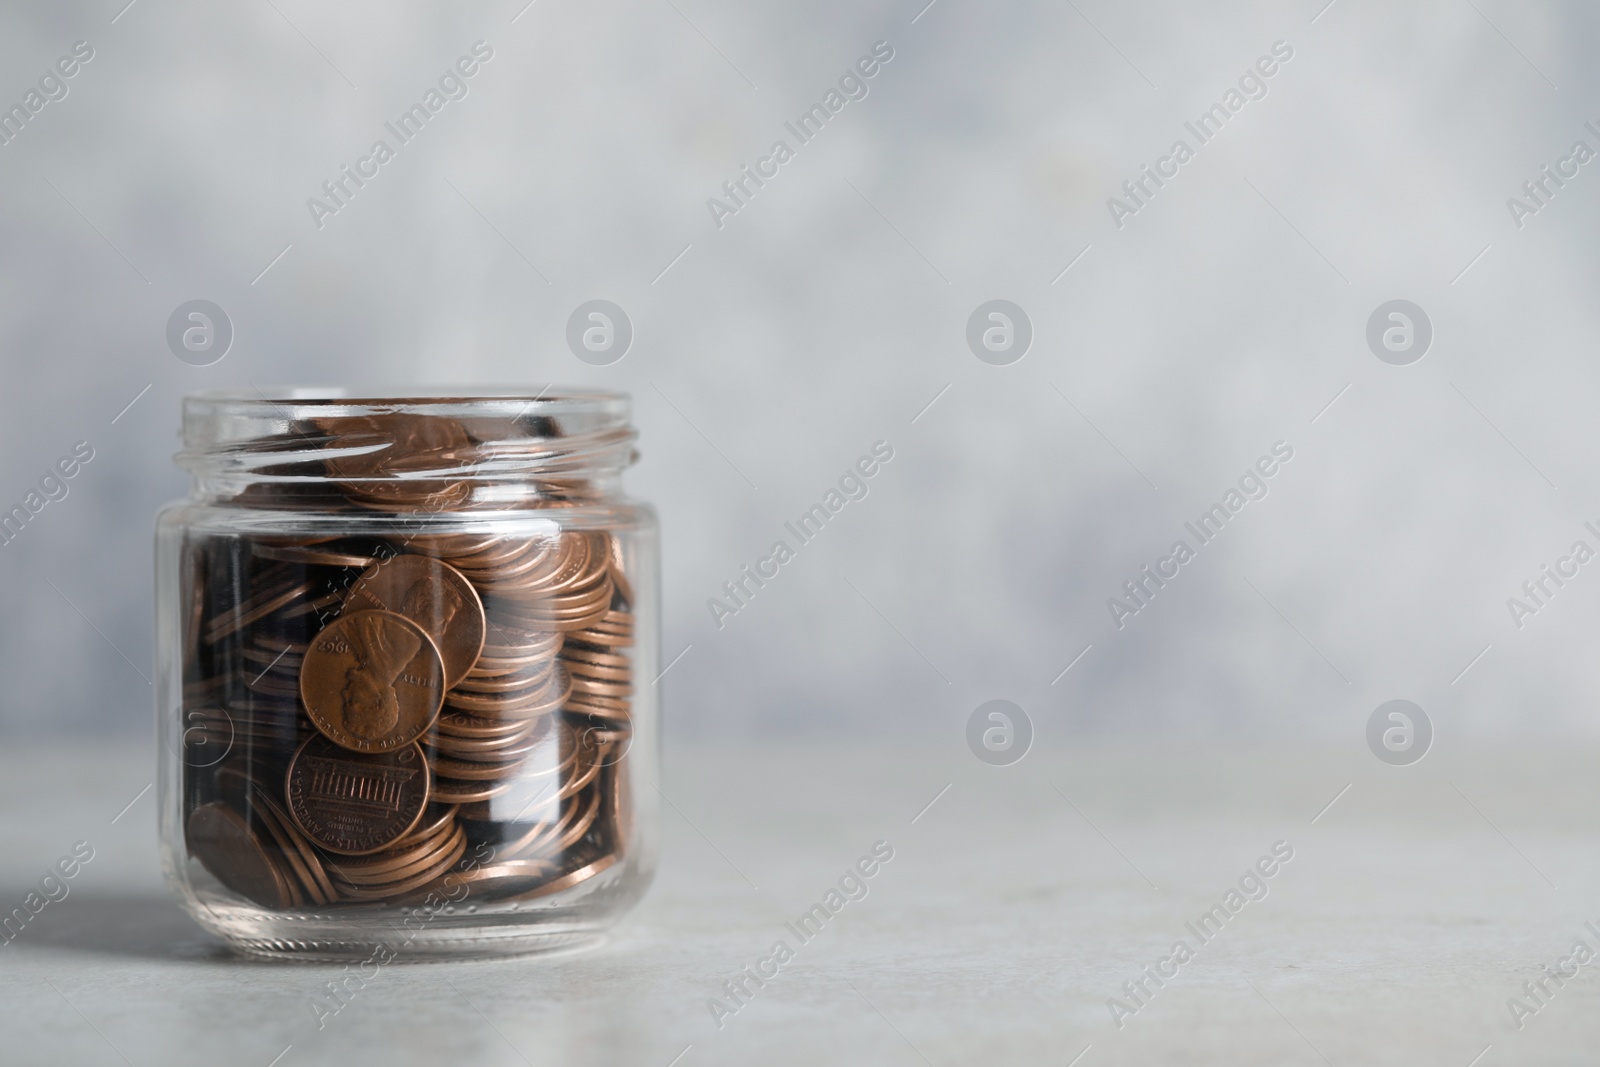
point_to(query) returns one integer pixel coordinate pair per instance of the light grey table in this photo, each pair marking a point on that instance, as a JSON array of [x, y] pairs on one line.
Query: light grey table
[[1014, 909]]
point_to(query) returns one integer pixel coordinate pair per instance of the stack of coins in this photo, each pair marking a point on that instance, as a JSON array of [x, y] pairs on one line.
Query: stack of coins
[[361, 713]]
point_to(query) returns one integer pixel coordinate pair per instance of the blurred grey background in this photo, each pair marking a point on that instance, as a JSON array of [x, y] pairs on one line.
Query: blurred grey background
[[771, 352]]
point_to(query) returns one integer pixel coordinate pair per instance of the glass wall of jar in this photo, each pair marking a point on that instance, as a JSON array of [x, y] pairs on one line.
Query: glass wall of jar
[[405, 649]]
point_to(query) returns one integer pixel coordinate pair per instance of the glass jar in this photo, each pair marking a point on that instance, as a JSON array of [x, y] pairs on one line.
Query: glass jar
[[405, 652]]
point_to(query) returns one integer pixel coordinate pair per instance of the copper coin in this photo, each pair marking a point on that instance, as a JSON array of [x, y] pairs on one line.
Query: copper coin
[[381, 866], [426, 877], [567, 881], [255, 609], [586, 669], [498, 879], [532, 702], [372, 681], [311, 556], [435, 596], [447, 791], [311, 862], [225, 845], [555, 836], [510, 681], [475, 771], [436, 820], [493, 750], [456, 724], [303, 880], [600, 659], [356, 804], [454, 544], [404, 867], [374, 454]]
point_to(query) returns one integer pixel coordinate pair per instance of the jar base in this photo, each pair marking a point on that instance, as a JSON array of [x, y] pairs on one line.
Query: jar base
[[309, 938]]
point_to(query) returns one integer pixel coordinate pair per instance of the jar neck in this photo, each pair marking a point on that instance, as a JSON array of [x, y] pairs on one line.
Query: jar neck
[[492, 450]]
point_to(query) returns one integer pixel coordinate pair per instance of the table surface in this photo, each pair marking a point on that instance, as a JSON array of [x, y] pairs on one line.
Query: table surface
[[1015, 908]]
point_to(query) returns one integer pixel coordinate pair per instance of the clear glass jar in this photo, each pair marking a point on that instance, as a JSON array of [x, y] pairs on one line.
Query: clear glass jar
[[405, 652]]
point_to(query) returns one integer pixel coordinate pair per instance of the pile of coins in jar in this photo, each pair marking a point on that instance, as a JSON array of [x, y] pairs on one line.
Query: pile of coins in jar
[[369, 718]]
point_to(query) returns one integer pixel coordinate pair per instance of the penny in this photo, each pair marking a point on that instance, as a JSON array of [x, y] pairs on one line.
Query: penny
[[593, 687], [373, 449], [474, 771], [574, 783], [378, 461], [313, 607], [311, 863], [535, 699], [383, 866], [567, 881], [372, 681], [504, 869], [501, 879], [619, 582], [304, 882], [352, 803], [417, 881], [435, 821], [451, 792], [485, 882], [512, 561], [454, 545], [254, 610], [586, 669], [488, 750], [459, 725], [613, 660], [403, 867], [510, 681], [452, 679], [223, 842], [552, 838], [265, 684], [580, 824], [435, 596], [311, 556], [499, 659], [619, 802]]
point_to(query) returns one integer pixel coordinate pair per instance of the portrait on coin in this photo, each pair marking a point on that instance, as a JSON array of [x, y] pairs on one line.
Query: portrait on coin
[[368, 702], [432, 604]]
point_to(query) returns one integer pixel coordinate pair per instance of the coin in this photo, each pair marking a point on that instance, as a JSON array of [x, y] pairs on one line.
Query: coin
[[500, 879], [451, 677], [455, 724], [405, 866], [538, 699], [395, 863], [353, 803], [375, 459], [427, 876], [447, 791], [303, 881], [508, 681], [254, 610], [310, 863], [372, 681], [311, 556], [433, 595], [567, 881], [223, 842]]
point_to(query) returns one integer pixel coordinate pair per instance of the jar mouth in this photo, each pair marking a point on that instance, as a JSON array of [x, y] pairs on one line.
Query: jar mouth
[[549, 398], [481, 446]]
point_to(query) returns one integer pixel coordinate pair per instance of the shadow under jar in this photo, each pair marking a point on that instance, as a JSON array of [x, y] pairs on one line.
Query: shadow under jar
[[404, 683]]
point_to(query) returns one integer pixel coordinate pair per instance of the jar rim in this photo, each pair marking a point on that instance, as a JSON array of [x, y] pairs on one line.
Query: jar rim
[[474, 436], [385, 396]]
